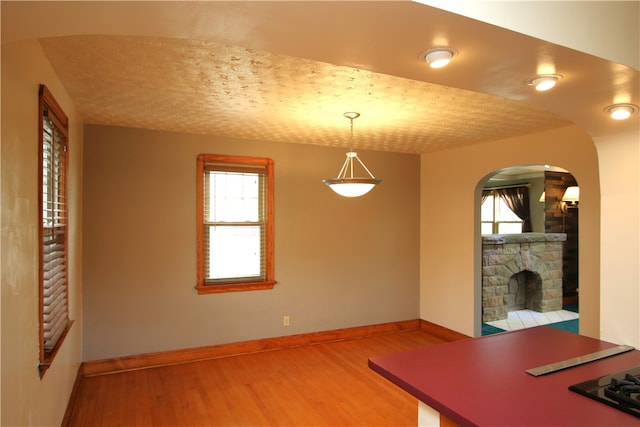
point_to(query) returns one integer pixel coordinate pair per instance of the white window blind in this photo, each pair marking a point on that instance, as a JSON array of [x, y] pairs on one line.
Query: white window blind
[[54, 234], [54, 224]]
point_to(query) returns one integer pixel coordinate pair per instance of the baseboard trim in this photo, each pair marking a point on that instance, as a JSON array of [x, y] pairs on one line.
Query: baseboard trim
[[152, 360], [442, 332], [73, 398]]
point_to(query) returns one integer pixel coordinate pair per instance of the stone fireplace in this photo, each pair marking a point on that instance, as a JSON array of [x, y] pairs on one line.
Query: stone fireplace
[[521, 271]]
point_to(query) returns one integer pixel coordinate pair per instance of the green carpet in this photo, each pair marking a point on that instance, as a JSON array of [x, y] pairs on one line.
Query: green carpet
[[567, 325], [489, 330]]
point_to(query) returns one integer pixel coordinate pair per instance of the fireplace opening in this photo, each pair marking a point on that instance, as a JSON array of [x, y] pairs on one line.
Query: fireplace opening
[[535, 259], [525, 291]]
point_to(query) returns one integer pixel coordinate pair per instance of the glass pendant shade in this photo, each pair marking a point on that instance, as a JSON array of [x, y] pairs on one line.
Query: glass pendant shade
[[346, 184], [348, 188]]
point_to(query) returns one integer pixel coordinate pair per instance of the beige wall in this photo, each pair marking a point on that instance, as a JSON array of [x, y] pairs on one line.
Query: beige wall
[[620, 252], [27, 400], [339, 262], [451, 182]]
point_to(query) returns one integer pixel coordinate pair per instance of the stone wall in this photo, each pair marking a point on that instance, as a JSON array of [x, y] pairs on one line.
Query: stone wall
[[506, 256]]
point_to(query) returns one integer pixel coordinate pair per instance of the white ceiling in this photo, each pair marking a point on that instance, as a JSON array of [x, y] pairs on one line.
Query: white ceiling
[[515, 173], [287, 71]]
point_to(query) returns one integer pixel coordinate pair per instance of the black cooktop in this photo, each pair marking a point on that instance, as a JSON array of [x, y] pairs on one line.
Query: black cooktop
[[620, 390]]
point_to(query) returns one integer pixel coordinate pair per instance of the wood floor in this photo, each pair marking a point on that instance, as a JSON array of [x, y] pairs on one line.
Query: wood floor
[[325, 384]]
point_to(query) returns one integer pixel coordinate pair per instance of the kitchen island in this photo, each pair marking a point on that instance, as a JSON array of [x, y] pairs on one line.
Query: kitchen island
[[483, 381]]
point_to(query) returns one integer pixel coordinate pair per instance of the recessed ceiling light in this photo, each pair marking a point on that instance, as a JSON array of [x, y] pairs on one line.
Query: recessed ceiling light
[[544, 82], [438, 57], [621, 111]]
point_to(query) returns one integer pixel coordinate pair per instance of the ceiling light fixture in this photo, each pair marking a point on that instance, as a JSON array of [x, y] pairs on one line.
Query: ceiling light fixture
[[439, 57], [544, 82], [621, 111], [345, 184]]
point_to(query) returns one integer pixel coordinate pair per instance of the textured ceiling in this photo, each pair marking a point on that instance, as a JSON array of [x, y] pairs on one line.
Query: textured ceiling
[[287, 71], [208, 88]]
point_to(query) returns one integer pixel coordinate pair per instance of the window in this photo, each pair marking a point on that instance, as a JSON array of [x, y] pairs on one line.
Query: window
[[235, 223], [497, 217], [53, 233]]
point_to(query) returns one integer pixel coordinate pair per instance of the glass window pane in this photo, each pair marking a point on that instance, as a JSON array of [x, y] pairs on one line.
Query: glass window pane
[[234, 252], [486, 211], [509, 228], [235, 197], [486, 228], [503, 213]]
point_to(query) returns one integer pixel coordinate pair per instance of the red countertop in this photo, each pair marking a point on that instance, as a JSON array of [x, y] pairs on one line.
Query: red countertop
[[482, 381]]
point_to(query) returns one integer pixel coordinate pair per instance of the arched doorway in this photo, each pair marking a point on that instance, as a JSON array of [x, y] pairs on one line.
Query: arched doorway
[[529, 234]]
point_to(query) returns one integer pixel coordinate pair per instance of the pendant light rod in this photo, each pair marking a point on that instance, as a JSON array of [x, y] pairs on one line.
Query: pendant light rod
[[351, 115]]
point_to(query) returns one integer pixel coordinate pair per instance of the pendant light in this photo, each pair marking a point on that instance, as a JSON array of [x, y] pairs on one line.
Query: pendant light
[[346, 184]]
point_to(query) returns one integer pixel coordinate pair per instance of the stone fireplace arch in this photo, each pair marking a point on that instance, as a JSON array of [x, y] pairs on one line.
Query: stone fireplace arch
[[509, 255]]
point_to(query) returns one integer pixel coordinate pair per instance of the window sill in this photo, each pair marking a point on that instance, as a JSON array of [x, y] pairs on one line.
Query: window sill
[[235, 287], [47, 359]]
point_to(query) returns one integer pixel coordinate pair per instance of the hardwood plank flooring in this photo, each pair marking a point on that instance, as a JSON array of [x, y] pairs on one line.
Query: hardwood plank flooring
[[326, 384]]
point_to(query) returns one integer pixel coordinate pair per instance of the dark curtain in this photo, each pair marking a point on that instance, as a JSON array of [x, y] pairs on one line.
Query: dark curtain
[[517, 198]]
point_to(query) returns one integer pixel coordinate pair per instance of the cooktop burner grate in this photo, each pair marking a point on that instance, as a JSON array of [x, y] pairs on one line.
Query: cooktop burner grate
[[620, 390]]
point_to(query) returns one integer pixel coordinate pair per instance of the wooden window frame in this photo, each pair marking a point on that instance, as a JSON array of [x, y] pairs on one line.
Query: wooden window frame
[[205, 161], [49, 108]]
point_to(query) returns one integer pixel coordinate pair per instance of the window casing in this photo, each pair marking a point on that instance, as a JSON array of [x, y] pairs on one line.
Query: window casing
[[235, 224], [54, 228], [497, 217]]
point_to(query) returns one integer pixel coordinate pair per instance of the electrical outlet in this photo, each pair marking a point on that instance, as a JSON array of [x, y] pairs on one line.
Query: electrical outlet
[[286, 321]]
